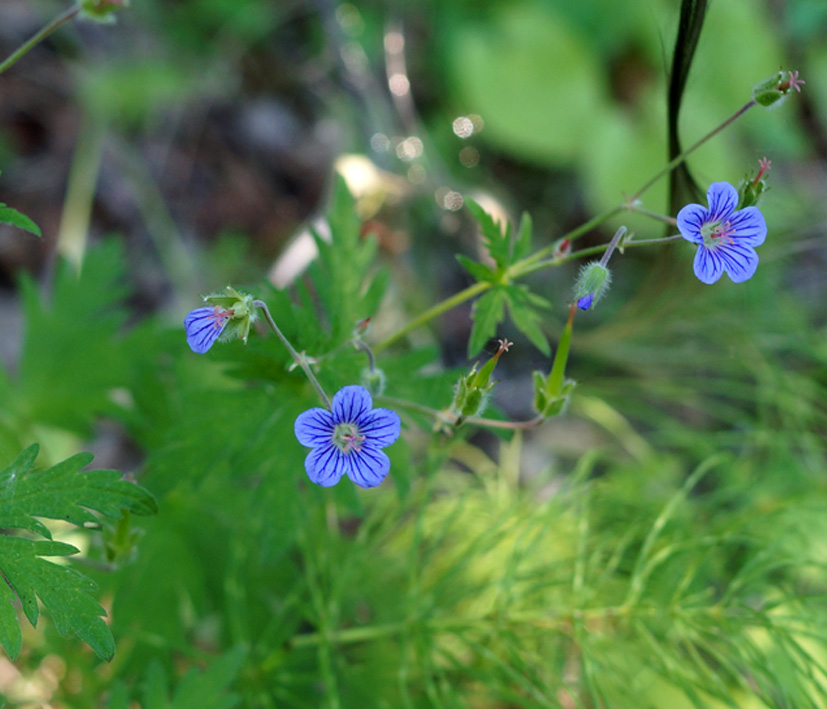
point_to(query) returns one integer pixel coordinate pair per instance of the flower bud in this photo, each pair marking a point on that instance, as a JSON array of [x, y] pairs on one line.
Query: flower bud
[[243, 312], [775, 89], [473, 389], [548, 405], [751, 189], [592, 283], [373, 380]]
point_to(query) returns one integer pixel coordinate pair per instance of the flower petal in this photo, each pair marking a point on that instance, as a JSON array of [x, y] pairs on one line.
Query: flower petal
[[690, 220], [314, 428], [380, 427], [708, 265], [367, 467], [749, 226], [722, 198], [203, 329], [350, 403], [739, 262], [325, 466]]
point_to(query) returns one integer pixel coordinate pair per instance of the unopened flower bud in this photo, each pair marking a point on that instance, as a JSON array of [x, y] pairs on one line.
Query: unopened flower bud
[[473, 389], [591, 285], [374, 381]]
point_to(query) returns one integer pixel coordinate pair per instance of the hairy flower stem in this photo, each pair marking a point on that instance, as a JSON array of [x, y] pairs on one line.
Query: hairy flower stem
[[612, 246], [536, 261], [363, 347], [299, 359], [40, 36]]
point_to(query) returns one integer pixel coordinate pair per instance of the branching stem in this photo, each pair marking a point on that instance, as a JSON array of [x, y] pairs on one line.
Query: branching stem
[[24, 49]]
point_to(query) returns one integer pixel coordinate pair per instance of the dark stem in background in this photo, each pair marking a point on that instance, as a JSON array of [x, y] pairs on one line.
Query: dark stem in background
[[682, 186]]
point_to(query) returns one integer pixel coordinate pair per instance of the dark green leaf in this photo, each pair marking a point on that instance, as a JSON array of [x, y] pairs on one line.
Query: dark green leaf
[[522, 306], [65, 593], [488, 312], [59, 492], [15, 218], [478, 270], [64, 492]]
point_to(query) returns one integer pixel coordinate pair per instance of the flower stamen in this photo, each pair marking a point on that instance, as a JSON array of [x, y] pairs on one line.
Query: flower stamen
[[346, 438]]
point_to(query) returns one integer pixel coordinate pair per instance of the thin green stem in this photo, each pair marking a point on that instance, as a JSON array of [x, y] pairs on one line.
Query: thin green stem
[[672, 164], [300, 360], [435, 311], [24, 49], [451, 419], [652, 215], [612, 246], [572, 235], [536, 261]]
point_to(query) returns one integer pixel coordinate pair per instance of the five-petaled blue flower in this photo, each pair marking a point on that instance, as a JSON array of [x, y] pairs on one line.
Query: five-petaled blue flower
[[725, 237], [204, 326], [348, 440]]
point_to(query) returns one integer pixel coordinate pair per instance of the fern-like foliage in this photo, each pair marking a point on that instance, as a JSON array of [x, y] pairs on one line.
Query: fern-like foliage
[[61, 492]]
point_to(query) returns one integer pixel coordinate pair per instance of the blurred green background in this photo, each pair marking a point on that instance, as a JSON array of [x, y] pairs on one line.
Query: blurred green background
[[191, 143]]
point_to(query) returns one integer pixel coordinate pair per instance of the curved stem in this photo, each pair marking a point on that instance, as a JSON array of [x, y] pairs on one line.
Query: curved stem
[[535, 262], [672, 164], [21, 51], [299, 359]]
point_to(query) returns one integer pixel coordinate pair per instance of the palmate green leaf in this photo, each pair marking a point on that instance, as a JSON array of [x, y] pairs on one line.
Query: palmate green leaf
[[73, 352], [65, 593], [478, 270], [64, 492], [59, 492], [488, 312], [15, 218], [522, 307], [343, 276], [497, 241]]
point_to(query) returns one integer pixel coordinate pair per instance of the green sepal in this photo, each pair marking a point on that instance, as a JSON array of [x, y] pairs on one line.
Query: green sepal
[[768, 92], [548, 406]]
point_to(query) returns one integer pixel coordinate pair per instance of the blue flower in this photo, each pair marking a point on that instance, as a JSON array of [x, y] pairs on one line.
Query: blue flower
[[204, 326], [348, 440], [725, 237], [585, 302]]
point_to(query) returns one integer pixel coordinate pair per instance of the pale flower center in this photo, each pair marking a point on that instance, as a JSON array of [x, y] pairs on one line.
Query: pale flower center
[[346, 437], [715, 234]]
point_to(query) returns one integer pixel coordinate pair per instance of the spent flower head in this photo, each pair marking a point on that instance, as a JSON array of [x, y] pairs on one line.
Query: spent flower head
[[774, 90], [227, 315], [348, 439], [751, 189], [726, 237]]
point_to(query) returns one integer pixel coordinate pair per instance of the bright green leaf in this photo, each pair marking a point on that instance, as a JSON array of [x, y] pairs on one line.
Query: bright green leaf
[[488, 312], [478, 270], [15, 218], [59, 492]]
